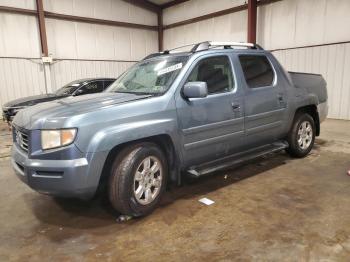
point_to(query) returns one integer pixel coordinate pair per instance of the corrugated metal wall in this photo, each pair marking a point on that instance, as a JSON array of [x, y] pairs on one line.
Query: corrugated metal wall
[[223, 28], [333, 62], [115, 10], [293, 23], [91, 41], [27, 4], [20, 77], [284, 24], [195, 8], [83, 50], [74, 40]]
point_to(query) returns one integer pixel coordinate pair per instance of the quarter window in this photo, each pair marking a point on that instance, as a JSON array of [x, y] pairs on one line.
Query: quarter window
[[216, 72], [257, 70]]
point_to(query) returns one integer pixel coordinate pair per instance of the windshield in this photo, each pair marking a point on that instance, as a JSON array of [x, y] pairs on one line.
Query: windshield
[[149, 77], [68, 89]]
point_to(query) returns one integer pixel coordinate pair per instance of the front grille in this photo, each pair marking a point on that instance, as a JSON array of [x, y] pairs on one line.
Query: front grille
[[22, 139]]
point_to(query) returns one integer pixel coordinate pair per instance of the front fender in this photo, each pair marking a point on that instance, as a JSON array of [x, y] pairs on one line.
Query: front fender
[[110, 137], [105, 139]]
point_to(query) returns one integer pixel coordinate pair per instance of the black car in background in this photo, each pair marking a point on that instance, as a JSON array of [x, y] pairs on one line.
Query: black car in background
[[75, 88]]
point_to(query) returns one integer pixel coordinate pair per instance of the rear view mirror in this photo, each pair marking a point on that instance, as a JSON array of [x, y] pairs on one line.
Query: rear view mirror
[[78, 92], [195, 90]]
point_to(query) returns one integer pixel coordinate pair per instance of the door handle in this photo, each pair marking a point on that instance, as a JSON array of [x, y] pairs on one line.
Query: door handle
[[236, 107], [280, 97], [281, 100]]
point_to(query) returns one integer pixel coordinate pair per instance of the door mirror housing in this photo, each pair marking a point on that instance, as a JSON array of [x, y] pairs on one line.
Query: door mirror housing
[[195, 90]]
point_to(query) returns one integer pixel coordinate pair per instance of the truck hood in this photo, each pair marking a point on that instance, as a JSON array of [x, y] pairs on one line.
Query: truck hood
[[30, 101], [35, 116]]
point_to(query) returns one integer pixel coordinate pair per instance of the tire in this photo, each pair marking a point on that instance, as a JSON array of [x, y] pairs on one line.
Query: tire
[[301, 137], [130, 175]]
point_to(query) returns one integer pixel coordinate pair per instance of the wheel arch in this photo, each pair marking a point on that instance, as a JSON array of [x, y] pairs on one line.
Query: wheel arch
[[312, 111], [163, 141]]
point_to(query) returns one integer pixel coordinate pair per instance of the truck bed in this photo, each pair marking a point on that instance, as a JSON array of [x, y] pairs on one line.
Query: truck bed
[[313, 83]]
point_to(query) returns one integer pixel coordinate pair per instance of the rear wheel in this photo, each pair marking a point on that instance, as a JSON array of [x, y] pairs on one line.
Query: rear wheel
[[301, 138], [138, 180]]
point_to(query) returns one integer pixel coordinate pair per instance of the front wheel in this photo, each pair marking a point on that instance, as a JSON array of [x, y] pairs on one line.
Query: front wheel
[[301, 137], [138, 180]]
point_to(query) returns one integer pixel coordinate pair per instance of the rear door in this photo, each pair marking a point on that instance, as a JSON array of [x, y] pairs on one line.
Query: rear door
[[265, 102], [211, 126]]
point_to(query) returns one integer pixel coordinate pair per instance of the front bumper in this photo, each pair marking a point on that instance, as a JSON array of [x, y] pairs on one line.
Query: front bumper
[[64, 178]]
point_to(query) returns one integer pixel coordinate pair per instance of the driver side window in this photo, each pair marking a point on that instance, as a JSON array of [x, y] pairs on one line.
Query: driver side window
[[216, 72]]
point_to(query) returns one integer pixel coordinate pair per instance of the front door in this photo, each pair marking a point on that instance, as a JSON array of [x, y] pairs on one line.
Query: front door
[[212, 126]]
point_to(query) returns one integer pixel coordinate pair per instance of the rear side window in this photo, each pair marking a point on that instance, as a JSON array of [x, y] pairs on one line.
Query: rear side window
[[216, 72], [257, 70]]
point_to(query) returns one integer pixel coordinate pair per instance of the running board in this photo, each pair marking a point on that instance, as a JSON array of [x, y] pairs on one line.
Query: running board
[[235, 159]]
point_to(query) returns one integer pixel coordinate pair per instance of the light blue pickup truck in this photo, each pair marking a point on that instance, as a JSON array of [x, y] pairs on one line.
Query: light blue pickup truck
[[172, 113]]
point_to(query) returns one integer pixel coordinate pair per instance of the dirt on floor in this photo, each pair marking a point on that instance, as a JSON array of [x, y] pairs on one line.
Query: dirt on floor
[[272, 209]]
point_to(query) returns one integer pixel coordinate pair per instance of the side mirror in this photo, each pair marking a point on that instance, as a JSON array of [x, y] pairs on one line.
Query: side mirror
[[195, 90]]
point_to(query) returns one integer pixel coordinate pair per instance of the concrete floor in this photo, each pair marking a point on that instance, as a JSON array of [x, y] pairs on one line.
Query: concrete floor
[[273, 209]]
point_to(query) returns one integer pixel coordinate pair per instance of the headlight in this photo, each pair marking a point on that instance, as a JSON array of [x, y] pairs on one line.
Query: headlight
[[57, 138]]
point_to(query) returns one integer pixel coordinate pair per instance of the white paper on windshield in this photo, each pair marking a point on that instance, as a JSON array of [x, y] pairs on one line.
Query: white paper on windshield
[[170, 69]]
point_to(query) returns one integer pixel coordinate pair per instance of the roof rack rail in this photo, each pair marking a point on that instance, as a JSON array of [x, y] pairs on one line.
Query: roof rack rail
[[166, 52], [179, 47], [152, 55], [207, 45]]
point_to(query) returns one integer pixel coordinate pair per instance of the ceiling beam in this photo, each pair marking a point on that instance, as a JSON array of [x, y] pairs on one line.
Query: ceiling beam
[[145, 5], [91, 20], [15, 10], [309, 46], [172, 3]]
